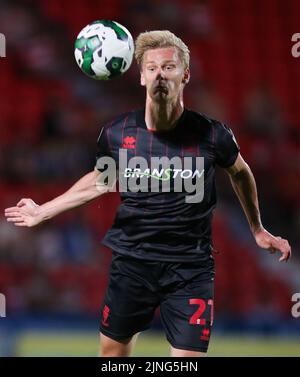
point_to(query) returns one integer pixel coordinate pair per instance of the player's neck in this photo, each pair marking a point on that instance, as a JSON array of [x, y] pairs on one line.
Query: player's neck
[[162, 116]]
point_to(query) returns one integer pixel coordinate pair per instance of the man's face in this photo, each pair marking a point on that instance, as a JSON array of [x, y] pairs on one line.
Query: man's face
[[163, 74]]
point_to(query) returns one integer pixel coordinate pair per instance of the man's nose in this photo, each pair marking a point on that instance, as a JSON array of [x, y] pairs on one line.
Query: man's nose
[[160, 74]]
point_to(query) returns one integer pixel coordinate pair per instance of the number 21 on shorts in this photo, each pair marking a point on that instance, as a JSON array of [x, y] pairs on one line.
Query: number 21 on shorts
[[196, 317]]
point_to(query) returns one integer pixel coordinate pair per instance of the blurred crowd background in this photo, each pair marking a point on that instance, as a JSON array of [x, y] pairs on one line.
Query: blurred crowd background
[[242, 73]]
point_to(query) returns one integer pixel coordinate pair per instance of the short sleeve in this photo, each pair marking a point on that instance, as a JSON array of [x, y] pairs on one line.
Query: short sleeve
[[102, 147], [226, 146]]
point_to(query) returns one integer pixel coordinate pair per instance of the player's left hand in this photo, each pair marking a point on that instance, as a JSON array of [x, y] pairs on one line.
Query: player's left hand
[[266, 240]]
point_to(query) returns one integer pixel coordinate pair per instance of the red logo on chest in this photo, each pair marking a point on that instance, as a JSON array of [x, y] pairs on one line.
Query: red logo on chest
[[129, 142], [190, 149]]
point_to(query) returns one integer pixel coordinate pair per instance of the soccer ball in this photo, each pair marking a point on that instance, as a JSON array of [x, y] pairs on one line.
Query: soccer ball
[[104, 49]]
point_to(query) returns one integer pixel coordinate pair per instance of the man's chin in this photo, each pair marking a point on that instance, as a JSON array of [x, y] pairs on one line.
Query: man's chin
[[160, 96]]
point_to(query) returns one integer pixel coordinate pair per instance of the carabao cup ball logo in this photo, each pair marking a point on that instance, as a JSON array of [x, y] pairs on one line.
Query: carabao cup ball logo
[[104, 49]]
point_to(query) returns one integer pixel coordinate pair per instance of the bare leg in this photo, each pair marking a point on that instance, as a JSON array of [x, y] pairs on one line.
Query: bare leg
[[176, 352], [113, 348]]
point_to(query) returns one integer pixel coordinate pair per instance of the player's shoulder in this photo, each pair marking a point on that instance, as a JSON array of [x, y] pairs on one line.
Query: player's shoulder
[[205, 125], [205, 120], [120, 120]]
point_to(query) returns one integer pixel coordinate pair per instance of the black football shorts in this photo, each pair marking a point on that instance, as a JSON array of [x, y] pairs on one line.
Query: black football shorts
[[182, 291]]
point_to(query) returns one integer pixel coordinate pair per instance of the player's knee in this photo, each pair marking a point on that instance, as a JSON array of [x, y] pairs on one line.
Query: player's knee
[[115, 351], [112, 348], [175, 352]]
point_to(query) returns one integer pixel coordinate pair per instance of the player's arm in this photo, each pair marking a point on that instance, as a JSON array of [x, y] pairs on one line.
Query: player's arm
[[244, 186], [28, 213]]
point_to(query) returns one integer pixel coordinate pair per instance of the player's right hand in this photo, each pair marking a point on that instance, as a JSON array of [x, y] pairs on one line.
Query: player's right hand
[[26, 213], [266, 240]]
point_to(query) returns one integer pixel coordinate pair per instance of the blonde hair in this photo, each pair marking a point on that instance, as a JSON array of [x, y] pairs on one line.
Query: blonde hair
[[158, 39]]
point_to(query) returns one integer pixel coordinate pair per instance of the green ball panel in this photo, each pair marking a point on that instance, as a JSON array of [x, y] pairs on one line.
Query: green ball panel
[[87, 62], [93, 43], [121, 34], [80, 43]]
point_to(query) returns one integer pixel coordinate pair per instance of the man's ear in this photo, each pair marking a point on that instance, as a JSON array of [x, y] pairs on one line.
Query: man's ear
[[186, 76], [142, 80]]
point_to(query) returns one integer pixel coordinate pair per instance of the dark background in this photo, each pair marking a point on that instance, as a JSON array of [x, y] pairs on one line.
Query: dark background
[[242, 73]]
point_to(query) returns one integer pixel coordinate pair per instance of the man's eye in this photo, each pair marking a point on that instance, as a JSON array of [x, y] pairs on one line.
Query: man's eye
[[170, 67], [151, 69]]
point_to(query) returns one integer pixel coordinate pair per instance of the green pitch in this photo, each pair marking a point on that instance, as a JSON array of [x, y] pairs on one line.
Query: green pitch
[[151, 344]]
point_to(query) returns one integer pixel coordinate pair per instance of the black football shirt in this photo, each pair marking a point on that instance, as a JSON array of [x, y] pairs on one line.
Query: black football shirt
[[162, 225]]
